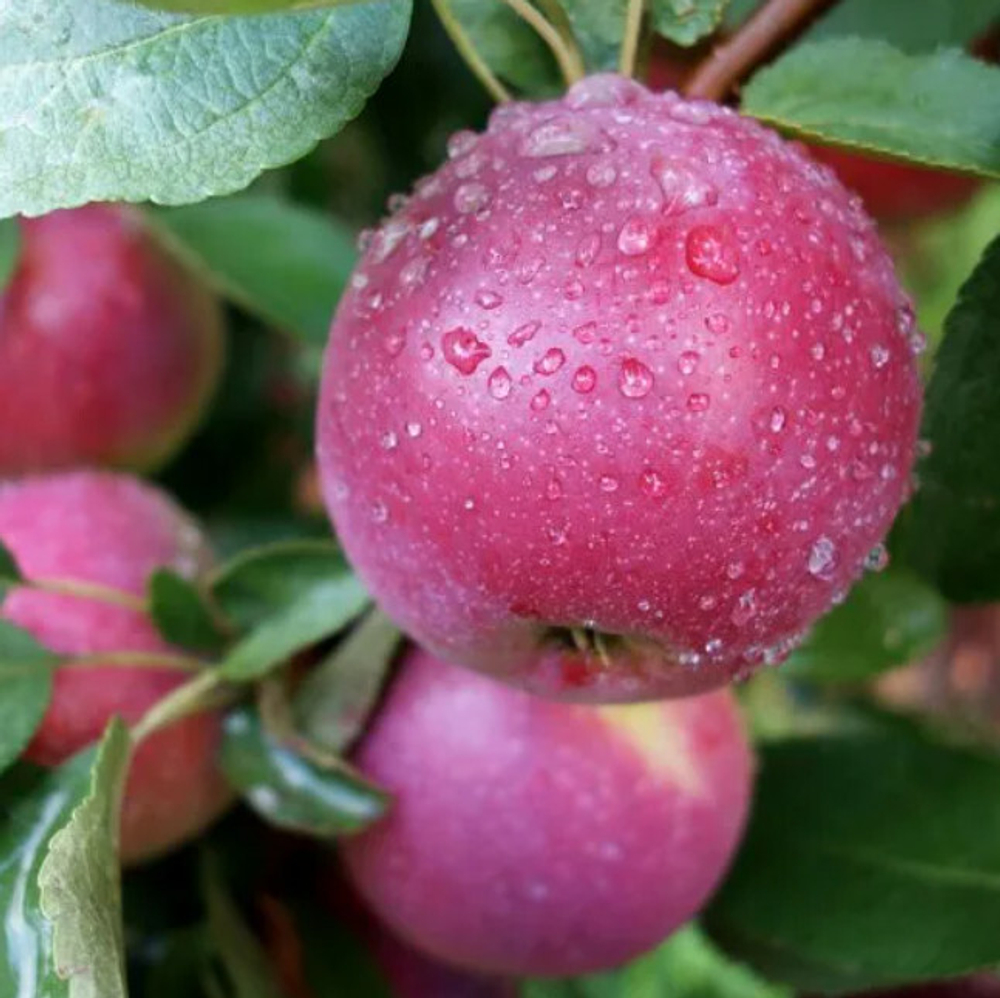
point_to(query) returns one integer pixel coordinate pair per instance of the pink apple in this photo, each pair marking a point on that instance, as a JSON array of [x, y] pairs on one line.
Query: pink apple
[[621, 399], [114, 531], [109, 348], [534, 837]]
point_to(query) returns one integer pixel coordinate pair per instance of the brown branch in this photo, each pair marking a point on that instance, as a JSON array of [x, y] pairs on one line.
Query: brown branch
[[776, 22]]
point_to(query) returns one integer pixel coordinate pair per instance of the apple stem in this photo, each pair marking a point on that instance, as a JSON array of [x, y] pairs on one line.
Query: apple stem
[[602, 649], [468, 51], [580, 640], [633, 32], [775, 22], [566, 52]]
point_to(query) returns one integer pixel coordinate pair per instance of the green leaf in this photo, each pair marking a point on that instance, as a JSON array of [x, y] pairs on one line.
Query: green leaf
[[240, 6], [181, 614], [686, 22], [79, 881], [288, 596], [25, 689], [599, 27], [872, 858], [103, 101], [940, 109], [10, 573], [335, 699], [950, 532], [10, 254], [913, 27], [249, 971], [284, 263], [887, 620], [686, 966], [290, 791], [509, 46]]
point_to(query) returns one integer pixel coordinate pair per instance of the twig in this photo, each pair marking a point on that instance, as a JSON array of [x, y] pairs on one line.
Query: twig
[[567, 56], [727, 65], [633, 32], [205, 690], [468, 51]]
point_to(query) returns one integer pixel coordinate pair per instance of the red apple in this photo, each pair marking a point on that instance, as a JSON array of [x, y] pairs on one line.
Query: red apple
[[109, 348], [112, 530], [621, 399], [895, 191], [534, 837]]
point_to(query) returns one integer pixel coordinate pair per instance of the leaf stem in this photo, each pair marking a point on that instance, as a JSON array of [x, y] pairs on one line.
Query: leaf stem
[[134, 660], [633, 32], [206, 690], [566, 53], [468, 51], [90, 590], [727, 65]]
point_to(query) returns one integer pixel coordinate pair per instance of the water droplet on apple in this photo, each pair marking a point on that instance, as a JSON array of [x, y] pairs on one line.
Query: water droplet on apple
[[635, 237], [499, 384], [710, 253], [550, 362], [687, 363], [635, 380], [584, 379], [464, 350], [822, 558]]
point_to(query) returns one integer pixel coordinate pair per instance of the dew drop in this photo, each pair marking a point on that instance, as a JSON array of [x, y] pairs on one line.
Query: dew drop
[[717, 323], [601, 175], [499, 384], [651, 482], [586, 333], [394, 342], [635, 237], [470, 198], [877, 559], [710, 254], [523, 334], [608, 483], [745, 609], [687, 363], [681, 189], [635, 380], [565, 137], [541, 401], [379, 511], [584, 379], [389, 440], [778, 419], [413, 430], [463, 350], [461, 142], [822, 558], [488, 300], [879, 355], [554, 489], [587, 250], [698, 402], [550, 362]]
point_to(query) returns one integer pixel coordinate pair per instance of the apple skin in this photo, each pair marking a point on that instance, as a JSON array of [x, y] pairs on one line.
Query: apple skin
[[895, 192], [625, 363], [113, 530], [531, 837], [109, 348]]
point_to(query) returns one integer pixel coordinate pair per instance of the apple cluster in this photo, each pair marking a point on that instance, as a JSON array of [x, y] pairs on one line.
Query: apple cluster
[[109, 351], [620, 400]]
